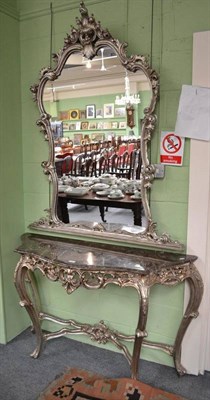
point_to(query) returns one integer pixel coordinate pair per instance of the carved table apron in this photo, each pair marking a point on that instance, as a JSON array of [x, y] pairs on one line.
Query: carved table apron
[[78, 263]]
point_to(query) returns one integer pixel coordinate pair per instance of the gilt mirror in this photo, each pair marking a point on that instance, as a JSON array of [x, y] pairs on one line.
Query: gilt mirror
[[97, 113]]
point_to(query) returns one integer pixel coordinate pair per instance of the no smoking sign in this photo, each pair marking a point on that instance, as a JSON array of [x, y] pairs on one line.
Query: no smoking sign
[[171, 149]]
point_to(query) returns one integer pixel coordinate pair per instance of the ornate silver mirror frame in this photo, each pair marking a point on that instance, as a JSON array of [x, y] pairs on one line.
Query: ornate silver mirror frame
[[88, 38]]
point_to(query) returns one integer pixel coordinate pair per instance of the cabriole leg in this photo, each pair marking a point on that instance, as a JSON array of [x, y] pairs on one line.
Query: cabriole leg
[[196, 294], [21, 277], [140, 330]]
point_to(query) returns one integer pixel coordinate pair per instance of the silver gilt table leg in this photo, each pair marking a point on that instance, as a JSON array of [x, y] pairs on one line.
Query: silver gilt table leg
[[22, 278], [141, 332], [196, 293]]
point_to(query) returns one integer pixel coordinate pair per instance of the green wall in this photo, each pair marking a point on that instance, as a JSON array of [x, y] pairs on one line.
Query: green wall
[[178, 21], [12, 319], [174, 22]]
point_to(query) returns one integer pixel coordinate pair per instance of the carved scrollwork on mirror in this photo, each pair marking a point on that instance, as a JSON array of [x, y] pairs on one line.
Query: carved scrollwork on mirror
[[83, 46]]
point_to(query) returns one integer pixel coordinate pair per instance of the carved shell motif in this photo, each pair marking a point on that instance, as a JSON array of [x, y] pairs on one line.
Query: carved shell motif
[[88, 32]]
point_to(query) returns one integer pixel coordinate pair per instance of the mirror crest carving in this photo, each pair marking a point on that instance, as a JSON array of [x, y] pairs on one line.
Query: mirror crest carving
[[87, 39]]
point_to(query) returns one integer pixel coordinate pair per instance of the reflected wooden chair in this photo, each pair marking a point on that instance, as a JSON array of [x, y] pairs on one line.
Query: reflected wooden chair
[[67, 165], [131, 147], [113, 163], [120, 165], [124, 165], [88, 167], [64, 155], [58, 168], [101, 166], [80, 167], [122, 149], [135, 164], [64, 166], [78, 164]]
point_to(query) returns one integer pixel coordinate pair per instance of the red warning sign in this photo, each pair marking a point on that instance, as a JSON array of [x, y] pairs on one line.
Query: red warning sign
[[171, 149]]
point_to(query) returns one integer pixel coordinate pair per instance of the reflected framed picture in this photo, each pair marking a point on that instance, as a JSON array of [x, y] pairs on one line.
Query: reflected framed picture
[[57, 129], [63, 115], [99, 113], [107, 125], [109, 110], [90, 111], [119, 112], [96, 137], [92, 125], [65, 126], [78, 125], [77, 138], [84, 125], [114, 125], [73, 114], [100, 125], [82, 114], [72, 127], [122, 125]]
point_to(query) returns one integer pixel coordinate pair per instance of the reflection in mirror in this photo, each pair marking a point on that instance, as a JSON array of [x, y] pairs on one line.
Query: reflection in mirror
[[97, 114], [96, 107]]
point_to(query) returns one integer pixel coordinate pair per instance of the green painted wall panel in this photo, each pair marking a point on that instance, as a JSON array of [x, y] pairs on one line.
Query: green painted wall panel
[[172, 188], [34, 185], [12, 317], [35, 204], [2, 313], [39, 146], [171, 217]]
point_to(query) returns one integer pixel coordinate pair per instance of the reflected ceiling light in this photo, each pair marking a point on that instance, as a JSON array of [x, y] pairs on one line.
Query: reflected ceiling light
[[53, 93], [88, 64], [74, 86], [127, 99], [103, 68], [90, 258]]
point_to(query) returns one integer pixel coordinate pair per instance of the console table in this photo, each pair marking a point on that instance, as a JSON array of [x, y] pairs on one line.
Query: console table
[[75, 263]]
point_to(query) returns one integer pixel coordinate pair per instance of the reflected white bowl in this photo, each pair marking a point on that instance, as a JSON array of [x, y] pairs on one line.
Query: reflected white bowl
[[108, 179], [77, 192], [99, 186]]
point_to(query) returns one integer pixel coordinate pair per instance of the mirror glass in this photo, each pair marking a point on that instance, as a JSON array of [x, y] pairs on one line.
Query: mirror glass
[[97, 113], [90, 122]]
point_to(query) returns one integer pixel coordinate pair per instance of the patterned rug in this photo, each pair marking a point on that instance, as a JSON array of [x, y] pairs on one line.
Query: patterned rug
[[76, 384]]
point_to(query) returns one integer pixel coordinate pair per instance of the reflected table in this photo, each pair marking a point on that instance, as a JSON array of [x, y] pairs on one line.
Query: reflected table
[[102, 202], [76, 263]]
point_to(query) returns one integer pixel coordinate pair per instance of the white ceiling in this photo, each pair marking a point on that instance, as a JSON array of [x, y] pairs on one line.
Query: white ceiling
[[105, 75]]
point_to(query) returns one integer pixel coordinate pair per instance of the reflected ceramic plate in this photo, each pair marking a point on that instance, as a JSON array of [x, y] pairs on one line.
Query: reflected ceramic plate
[[83, 178], [61, 188], [77, 192], [135, 197], [86, 183], [115, 197], [102, 193], [99, 186]]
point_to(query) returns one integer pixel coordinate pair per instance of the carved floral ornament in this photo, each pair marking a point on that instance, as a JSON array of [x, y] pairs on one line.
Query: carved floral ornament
[[88, 38], [72, 278]]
